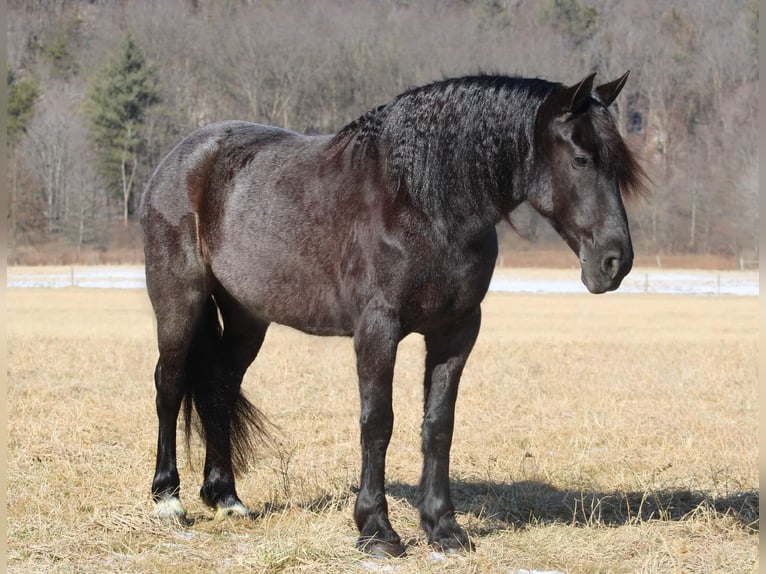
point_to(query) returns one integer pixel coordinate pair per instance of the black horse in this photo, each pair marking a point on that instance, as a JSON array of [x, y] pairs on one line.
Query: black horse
[[384, 229]]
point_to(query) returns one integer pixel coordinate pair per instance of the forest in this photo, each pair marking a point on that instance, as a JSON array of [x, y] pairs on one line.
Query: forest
[[99, 91]]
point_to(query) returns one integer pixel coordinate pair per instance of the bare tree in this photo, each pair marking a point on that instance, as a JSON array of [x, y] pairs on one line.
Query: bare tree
[[48, 156], [689, 107]]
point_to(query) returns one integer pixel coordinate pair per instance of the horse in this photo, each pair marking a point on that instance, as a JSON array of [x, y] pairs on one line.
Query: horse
[[386, 228]]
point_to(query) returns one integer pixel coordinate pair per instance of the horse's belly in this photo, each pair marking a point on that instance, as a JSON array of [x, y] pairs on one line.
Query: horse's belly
[[297, 298], [313, 313]]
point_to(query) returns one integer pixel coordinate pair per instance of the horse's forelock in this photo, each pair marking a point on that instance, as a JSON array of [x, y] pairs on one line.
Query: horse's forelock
[[618, 158]]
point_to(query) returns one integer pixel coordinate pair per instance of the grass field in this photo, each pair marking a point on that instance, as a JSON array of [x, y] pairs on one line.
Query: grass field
[[593, 434]]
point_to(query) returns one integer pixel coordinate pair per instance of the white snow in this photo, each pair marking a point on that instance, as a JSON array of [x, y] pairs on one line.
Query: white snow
[[743, 283]]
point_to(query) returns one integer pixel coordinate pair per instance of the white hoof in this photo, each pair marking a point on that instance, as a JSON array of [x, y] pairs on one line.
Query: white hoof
[[237, 510], [170, 510]]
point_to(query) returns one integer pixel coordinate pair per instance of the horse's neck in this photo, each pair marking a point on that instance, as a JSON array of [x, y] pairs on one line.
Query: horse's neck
[[469, 200]]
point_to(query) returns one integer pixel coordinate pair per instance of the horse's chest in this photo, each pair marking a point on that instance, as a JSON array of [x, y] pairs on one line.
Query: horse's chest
[[430, 281], [441, 294]]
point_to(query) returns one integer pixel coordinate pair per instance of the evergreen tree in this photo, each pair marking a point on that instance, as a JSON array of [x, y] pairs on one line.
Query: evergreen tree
[[22, 94], [118, 98]]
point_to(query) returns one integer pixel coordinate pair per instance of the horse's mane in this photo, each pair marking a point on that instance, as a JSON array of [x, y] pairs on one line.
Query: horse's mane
[[477, 130], [364, 131], [462, 125]]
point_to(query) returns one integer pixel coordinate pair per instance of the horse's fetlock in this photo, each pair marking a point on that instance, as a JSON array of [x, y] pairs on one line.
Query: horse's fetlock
[[166, 484], [216, 492]]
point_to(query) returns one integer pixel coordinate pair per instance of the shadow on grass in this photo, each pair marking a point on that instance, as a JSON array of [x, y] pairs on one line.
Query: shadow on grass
[[528, 503], [318, 505], [500, 506]]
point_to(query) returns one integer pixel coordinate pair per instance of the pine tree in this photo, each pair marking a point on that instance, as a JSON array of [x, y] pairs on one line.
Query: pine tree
[[22, 94], [118, 98]]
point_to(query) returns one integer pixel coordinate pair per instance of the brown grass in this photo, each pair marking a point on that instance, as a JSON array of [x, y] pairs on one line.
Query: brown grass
[[594, 434]]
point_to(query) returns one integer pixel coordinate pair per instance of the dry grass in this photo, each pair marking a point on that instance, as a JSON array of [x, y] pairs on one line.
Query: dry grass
[[594, 434]]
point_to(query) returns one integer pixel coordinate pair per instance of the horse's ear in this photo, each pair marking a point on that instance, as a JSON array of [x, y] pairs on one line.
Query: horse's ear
[[575, 98], [608, 92]]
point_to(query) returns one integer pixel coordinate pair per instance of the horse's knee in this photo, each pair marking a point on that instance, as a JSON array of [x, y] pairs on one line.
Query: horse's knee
[[376, 424], [436, 436]]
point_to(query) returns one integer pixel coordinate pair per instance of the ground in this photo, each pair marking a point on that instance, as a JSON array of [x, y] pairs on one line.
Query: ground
[[594, 434]]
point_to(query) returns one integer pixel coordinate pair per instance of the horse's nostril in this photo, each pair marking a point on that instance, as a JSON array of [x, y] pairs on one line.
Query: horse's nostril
[[610, 265]]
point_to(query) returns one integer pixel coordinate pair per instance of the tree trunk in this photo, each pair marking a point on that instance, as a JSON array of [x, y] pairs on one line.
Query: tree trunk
[[693, 223], [12, 202], [127, 180]]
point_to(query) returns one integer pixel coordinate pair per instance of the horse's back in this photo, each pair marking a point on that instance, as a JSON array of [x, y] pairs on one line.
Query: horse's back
[[176, 181]]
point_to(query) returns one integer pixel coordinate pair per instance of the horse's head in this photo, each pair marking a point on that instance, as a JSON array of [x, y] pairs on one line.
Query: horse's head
[[587, 169]]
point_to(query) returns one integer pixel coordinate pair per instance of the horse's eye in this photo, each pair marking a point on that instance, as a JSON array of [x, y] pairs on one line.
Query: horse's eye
[[581, 161]]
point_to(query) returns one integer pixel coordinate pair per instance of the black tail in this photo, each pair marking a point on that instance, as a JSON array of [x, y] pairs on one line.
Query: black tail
[[225, 419]]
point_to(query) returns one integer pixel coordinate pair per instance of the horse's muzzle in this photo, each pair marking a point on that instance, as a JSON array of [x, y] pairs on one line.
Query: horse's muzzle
[[604, 271]]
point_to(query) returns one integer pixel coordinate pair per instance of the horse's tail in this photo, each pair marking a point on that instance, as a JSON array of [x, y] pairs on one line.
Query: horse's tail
[[225, 419]]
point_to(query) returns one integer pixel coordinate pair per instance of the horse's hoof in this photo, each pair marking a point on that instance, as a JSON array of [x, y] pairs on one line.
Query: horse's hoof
[[378, 548], [236, 510], [454, 544], [171, 511]]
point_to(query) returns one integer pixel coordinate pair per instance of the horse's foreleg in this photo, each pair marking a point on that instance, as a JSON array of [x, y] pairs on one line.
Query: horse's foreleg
[[446, 355], [375, 342]]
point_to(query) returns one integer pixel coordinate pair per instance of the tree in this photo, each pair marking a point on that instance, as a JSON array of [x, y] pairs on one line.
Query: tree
[[689, 107], [22, 94], [576, 20], [48, 153], [56, 46], [118, 99]]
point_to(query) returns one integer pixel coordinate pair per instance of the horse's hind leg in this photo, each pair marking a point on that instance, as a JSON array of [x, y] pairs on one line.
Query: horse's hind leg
[[177, 313], [166, 484], [227, 418]]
